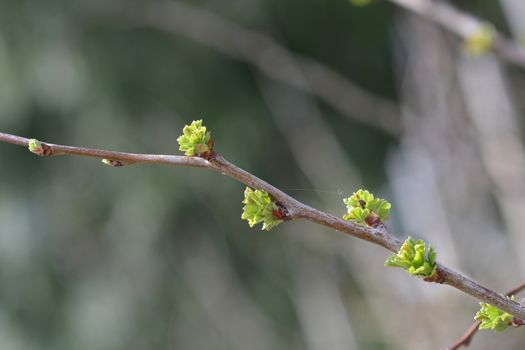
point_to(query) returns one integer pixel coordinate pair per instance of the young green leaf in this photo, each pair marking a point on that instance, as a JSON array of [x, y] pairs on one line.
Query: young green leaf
[[364, 208], [493, 318], [195, 140], [259, 207], [415, 258]]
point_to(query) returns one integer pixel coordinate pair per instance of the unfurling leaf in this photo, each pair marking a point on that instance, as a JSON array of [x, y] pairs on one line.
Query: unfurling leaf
[[259, 207], [195, 140], [415, 258], [493, 318], [363, 206]]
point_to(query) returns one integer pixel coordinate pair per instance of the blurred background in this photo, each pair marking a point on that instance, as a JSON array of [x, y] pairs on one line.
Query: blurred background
[[317, 97]]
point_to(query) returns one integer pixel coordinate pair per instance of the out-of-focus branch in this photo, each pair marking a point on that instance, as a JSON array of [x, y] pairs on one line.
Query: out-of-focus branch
[[273, 60], [295, 210], [466, 338], [464, 25]]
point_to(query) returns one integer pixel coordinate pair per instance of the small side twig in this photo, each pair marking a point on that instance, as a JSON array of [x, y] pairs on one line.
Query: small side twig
[[466, 338]]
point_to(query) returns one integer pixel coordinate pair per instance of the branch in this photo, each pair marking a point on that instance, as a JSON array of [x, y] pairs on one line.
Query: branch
[[466, 338], [465, 26], [294, 209]]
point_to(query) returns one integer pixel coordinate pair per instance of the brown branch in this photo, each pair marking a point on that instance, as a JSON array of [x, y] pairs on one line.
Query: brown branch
[[516, 290], [464, 25], [295, 210], [466, 338], [272, 60]]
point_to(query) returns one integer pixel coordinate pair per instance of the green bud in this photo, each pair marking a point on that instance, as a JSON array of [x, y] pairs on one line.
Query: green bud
[[112, 162], [363, 207], [259, 207], [415, 258], [36, 147], [493, 318], [195, 140]]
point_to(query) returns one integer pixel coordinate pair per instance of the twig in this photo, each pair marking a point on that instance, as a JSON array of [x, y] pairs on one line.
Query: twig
[[272, 60], [295, 210], [466, 338], [464, 25], [516, 290]]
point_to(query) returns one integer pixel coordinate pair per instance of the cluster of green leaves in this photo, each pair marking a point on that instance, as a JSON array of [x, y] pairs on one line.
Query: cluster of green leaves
[[493, 318], [259, 207], [415, 258], [480, 41], [362, 204], [195, 139]]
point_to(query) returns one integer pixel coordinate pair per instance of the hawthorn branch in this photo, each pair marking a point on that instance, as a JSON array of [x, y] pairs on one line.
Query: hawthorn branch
[[466, 338], [464, 25], [295, 209]]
